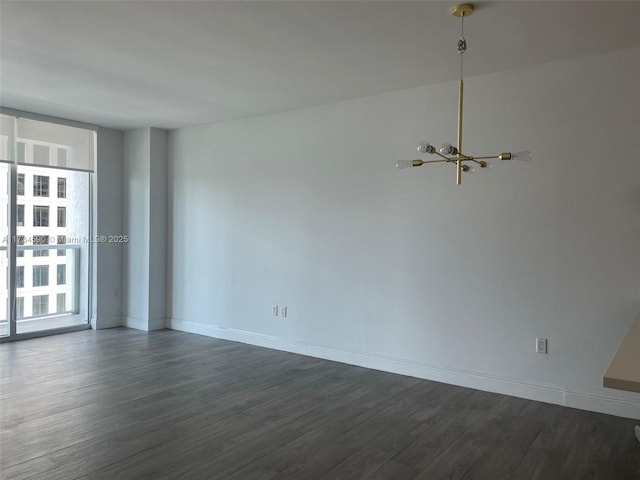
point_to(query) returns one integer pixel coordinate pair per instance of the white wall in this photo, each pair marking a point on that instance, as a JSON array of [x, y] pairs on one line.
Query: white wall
[[107, 261], [405, 271], [136, 226], [158, 228], [145, 206]]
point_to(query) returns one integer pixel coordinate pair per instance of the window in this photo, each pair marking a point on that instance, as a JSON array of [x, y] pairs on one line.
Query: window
[[20, 277], [20, 241], [40, 186], [20, 215], [40, 216], [19, 307], [40, 304], [21, 148], [62, 216], [51, 166], [62, 274], [62, 158], [61, 300], [40, 239], [62, 188], [40, 275], [21, 180], [41, 154], [61, 241]]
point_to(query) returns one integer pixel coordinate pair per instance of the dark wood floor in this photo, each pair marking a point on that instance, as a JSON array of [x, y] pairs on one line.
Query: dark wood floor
[[123, 404]]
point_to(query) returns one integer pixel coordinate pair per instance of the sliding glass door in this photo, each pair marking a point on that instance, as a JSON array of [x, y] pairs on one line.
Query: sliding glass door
[[46, 250]]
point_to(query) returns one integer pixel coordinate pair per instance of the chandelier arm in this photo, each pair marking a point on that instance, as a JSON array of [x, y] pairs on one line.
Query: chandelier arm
[[435, 161], [448, 159]]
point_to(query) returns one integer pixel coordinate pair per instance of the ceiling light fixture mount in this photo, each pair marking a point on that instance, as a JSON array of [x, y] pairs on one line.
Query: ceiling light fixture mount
[[463, 10], [448, 152]]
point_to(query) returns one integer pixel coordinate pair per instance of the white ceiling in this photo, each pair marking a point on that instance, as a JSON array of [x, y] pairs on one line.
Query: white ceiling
[[176, 63]]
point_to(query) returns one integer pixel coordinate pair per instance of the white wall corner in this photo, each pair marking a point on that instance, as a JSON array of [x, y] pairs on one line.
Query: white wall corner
[[101, 323], [137, 323], [157, 324]]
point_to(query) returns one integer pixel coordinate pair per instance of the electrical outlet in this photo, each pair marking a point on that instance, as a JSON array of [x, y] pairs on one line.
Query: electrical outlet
[[274, 310], [283, 311], [541, 345]]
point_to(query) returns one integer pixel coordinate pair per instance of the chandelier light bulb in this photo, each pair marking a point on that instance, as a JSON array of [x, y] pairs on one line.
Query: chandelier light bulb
[[448, 149], [426, 147], [400, 164], [524, 156]]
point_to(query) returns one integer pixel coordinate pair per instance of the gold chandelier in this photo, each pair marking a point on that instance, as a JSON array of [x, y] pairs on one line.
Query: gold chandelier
[[448, 152]]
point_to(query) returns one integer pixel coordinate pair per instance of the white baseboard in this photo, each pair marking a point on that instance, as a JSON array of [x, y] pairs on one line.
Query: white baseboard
[[157, 323], [506, 386], [602, 404], [146, 325], [137, 323], [106, 322]]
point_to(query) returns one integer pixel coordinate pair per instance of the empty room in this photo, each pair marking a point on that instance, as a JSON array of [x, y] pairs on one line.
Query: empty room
[[264, 240]]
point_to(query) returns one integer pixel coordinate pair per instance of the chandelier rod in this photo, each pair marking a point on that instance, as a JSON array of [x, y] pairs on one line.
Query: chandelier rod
[[462, 46]]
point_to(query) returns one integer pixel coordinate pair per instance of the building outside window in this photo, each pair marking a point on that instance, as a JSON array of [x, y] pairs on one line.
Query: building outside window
[[19, 307], [40, 304], [20, 241], [61, 300], [62, 239], [40, 275], [40, 239], [20, 276], [40, 216], [62, 216], [41, 154], [40, 186], [62, 188], [20, 215], [21, 152], [62, 274], [21, 182]]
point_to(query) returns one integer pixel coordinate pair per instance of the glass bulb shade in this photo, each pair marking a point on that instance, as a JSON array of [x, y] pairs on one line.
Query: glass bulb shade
[[448, 149], [400, 164], [426, 147], [525, 156]]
